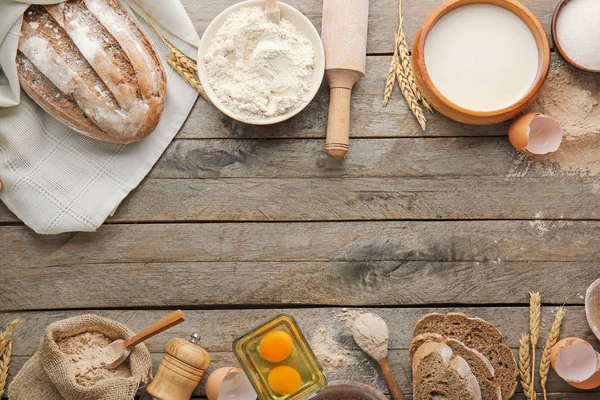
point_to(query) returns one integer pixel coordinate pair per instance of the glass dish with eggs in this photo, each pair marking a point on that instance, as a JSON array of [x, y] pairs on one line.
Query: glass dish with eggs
[[279, 362]]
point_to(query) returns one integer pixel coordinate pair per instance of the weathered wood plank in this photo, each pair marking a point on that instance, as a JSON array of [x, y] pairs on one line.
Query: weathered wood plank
[[338, 241], [363, 371], [360, 199], [383, 16], [426, 179], [370, 158], [219, 328], [306, 283], [329, 327]]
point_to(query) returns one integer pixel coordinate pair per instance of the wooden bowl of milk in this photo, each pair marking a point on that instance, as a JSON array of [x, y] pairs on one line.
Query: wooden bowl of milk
[[481, 62]]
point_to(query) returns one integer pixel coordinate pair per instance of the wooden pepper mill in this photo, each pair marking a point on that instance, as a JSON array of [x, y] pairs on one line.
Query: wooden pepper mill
[[180, 370], [344, 36]]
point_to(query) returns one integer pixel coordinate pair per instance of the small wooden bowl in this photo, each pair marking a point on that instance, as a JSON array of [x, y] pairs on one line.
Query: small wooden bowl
[[345, 390], [461, 114], [592, 307], [557, 44]]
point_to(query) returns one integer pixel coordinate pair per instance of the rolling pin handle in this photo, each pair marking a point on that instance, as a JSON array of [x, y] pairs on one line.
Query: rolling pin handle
[[338, 123]]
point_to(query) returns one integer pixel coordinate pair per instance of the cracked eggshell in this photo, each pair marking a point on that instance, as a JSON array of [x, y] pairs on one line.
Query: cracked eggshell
[[535, 133], [576, 361], [229, 383]]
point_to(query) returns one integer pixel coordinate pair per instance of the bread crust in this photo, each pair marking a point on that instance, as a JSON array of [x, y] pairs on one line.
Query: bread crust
[[490, 388], [451, 366], [89, 65], [481, 336]]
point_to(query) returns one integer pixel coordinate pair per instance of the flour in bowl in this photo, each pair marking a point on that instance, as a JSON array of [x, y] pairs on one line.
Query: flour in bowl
[[257, 68]]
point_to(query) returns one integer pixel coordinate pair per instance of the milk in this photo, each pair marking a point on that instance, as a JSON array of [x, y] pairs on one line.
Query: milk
[[481, 57]]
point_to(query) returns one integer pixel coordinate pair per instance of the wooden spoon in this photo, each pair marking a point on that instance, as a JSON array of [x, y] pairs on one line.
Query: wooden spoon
[[118, 351], [371, 326], [273, 13], [592, 307]]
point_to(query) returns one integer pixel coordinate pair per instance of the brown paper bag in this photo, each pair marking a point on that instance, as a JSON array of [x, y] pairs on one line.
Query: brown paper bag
[[48, 375]]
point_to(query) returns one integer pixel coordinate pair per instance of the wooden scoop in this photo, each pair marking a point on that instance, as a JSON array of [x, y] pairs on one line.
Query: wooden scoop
[[118, 351], [344, 37], [371, 334], [273, 13]]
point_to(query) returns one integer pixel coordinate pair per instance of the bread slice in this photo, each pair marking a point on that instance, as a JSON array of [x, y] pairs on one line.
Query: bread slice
[[480, 366], [438, 373], [479, 335]]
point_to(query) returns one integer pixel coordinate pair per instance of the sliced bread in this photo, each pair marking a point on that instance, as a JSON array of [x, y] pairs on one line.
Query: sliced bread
[[438, 373], [478, 335], [479, 364]]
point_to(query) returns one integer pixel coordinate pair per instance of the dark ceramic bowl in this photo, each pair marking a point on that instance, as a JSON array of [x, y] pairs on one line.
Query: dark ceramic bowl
[[347, 390]]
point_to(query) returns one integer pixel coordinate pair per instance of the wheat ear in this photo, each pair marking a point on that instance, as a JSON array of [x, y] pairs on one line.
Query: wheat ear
[[189, 77], [389, 83], [525, 364], [535, 305], [4, 364], [550, 342], [408, 94], [6, 352], [185, 67], [6, 335], [405, 61]]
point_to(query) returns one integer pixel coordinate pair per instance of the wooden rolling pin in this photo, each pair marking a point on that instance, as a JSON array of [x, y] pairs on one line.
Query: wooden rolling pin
[[344, 37]]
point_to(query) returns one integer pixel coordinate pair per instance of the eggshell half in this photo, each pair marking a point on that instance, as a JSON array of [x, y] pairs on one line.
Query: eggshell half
[[535, 133], [229, 383], [576, 361]]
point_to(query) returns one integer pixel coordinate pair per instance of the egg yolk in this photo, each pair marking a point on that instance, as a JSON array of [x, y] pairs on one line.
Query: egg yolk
[[276, 346], [284, 380]]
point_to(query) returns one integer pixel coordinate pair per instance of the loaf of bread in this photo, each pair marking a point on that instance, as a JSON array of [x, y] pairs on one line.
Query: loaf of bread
[[479, 335], [89, 65], [479, 364], [438, 373]]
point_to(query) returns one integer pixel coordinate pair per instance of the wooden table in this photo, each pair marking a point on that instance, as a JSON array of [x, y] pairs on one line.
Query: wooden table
[[236, 224]]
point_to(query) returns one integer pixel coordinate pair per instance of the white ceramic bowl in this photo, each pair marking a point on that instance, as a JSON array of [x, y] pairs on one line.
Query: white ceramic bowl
[[295, 17]]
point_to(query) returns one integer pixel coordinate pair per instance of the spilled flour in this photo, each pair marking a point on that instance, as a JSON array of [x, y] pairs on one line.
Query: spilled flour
[[572, 98], [86, 352], [328, 349], [349, 316], [330, 353]]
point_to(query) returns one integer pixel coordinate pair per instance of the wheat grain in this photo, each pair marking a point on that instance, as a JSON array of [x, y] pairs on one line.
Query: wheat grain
[[185, 66], [408, 94], [6, 352], [189, 77], [535, 305], [402, 70], [389, 83], [525, 364], [550, 342], [406, 62], [6, 334], [4, 364]]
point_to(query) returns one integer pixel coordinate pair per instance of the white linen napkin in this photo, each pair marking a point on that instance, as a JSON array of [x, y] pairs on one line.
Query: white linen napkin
[[57, 180]]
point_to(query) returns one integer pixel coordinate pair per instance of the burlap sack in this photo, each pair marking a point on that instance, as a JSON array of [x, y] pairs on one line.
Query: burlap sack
[[48, 375]]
